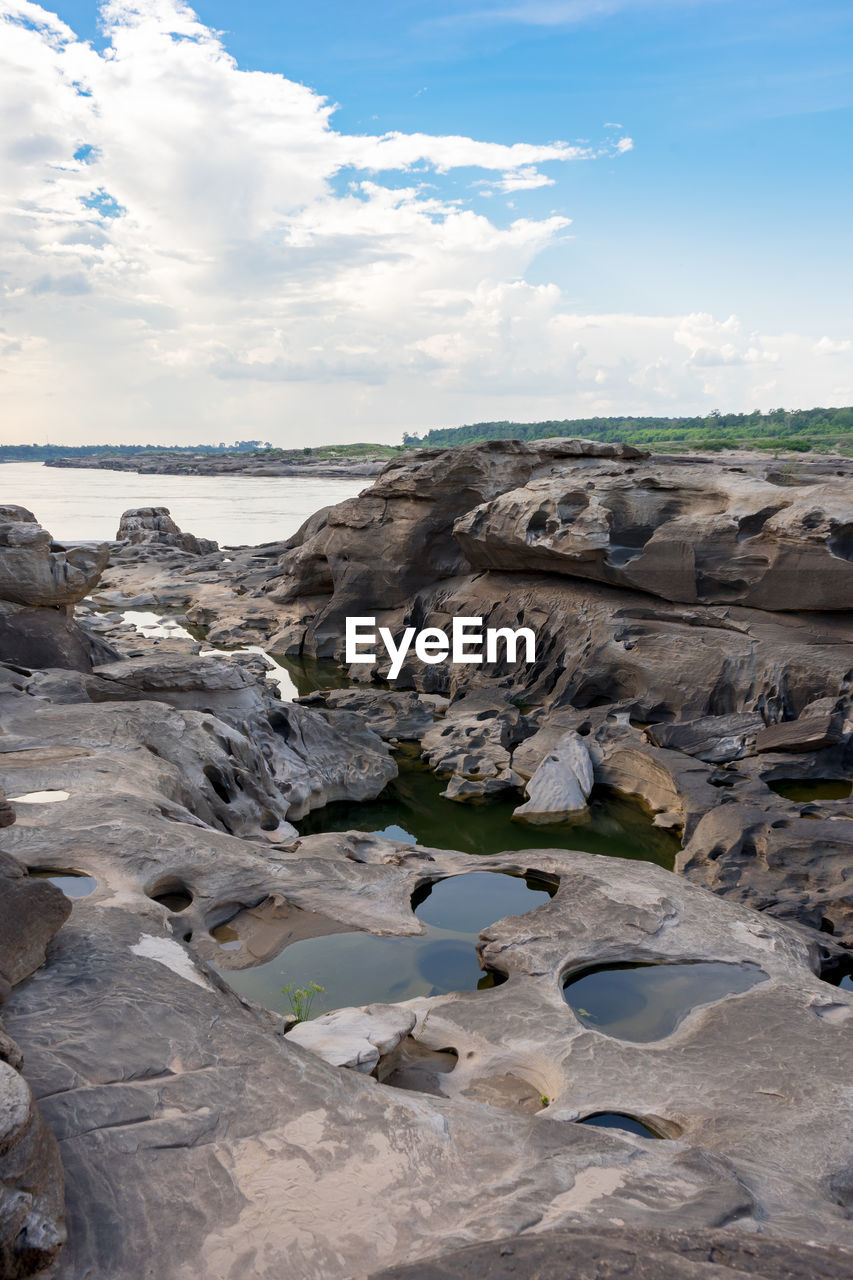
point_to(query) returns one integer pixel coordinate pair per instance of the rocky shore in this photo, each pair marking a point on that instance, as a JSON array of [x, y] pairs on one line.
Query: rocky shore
[[229, 464], [694, 654]]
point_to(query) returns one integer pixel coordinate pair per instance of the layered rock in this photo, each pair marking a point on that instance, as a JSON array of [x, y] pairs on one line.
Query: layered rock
[[154, 525], [676, 530], [40, 581]]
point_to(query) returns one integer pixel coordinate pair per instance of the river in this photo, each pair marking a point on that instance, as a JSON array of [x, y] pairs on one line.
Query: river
[[234, 510]]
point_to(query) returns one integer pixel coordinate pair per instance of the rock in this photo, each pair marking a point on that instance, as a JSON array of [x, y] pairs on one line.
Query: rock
[[32, 1207], [715, 739], [39, 584], [155, 525], [355, 1038], [183, 1117], [396, 717], [474, 744], [31, 911], [275, 760], [780, 863], [809, 732], [32, 1227], [645, 1254], [676, 529], [560, 786], [36, 571]]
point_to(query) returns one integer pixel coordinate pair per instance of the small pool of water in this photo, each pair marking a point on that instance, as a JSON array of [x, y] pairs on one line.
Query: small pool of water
[[74, 884], [804, 790], [412, 809], [643, 1002], [360, 968], [614, 1120]]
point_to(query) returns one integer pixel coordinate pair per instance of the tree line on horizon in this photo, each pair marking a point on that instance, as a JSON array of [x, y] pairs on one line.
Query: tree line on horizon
[[797, 430], [793, 430]]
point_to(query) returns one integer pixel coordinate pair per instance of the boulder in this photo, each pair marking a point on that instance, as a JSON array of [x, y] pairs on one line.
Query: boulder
[[561, 785], [355, 1038], [34, 570], [155, 525], [716, 739], [677, 529]]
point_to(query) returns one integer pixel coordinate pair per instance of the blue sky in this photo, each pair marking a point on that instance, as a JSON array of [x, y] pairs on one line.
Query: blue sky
[[735, 199]]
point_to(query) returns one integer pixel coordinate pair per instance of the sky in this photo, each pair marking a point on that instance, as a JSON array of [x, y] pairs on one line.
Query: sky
[[336, 222]]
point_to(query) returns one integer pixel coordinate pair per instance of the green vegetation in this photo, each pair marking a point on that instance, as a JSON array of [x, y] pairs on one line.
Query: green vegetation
[[301, 999], [780, 430]]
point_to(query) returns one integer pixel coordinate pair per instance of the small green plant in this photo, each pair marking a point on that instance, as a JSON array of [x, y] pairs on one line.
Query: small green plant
[[301, 999], [544, 1099]]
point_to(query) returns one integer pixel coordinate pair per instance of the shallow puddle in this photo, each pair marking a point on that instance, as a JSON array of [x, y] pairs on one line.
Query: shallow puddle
[[412, 809], [74, 884], [647, 1002], [360, 968], [804, 790]]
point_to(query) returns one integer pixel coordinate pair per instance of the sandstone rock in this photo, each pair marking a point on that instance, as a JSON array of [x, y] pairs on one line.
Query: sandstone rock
[[155, 525], [355, 1038], [32, 1229], [560, 786], [644, 1254], [402, 717], [809, 732], [36, 571], [682, 531], [778, 862], [31, 911], [715, 739], [474, 743]]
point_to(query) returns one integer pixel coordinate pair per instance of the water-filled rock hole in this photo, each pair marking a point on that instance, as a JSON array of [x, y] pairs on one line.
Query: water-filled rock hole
[[74, 884], [358, 968], [644, 1002]]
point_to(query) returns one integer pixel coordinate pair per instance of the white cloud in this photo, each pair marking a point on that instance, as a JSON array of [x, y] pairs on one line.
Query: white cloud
[[191, 251]]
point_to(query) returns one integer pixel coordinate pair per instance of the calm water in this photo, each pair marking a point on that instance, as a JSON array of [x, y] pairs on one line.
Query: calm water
[[806, 790], [235, 510], [643, 1002], [360, 968], [412, 809], [74, 884]]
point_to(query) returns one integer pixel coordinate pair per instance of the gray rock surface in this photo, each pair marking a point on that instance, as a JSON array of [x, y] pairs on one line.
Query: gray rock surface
[[561, 785], [355, 1038], [640, 1255], [32, 1206]]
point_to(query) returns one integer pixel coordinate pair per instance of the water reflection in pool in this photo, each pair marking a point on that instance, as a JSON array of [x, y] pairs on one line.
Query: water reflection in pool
[[412, 809], [647, 1001], [615, 1120], [360, 968], [74, 884], [806, 790]]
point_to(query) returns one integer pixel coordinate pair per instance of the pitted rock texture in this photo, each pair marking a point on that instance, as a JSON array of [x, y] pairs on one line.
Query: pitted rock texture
[[677, 530], [237, 1133]]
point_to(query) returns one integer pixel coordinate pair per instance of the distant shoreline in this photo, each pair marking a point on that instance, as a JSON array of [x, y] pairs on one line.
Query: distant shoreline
[[227, 464]]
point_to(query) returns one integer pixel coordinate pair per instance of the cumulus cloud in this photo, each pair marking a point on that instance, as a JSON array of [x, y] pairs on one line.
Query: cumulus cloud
[[189, 250]]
